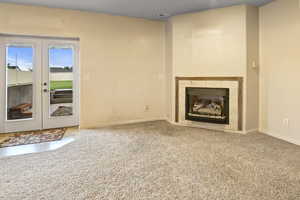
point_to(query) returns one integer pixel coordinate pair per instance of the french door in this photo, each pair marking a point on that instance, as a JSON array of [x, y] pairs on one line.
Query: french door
[[39, 83]]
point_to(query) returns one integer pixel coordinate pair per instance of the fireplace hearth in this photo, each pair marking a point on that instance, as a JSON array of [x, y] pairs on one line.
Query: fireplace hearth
[[209, 105]]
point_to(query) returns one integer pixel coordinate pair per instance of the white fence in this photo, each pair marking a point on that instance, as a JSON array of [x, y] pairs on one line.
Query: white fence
[[61, 76], [16, 77]]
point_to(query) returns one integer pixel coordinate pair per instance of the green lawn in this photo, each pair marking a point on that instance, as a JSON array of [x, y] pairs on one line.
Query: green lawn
[[54, 85]]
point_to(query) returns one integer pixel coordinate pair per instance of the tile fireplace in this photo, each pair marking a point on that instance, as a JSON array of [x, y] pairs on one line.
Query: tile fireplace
[[210, 102]]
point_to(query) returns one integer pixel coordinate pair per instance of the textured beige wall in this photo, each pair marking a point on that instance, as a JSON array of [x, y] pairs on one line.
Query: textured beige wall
[[122, 59], [280, 69], [210, 43], [169, 70], [252, 77], [215, 43]]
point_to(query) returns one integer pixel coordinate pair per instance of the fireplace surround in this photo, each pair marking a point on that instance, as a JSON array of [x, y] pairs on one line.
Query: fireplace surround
[[213, 115]]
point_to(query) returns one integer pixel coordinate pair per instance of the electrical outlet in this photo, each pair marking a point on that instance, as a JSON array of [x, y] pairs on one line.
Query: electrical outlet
[[147, 108], [286, 122]]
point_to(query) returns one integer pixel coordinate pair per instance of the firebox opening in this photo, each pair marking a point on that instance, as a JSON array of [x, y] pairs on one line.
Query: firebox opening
[[207, 105]]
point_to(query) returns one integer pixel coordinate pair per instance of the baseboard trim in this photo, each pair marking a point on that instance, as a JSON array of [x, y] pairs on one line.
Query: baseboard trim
[[207, 128], [296, 142], [251, 130], [123, 123]]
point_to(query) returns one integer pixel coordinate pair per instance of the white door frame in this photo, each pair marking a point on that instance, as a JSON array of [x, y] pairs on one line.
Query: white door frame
[[33, 123], [62, 121], [2, 86], [41, 70]]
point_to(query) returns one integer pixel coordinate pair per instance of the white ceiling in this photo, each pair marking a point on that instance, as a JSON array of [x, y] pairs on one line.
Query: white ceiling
[[150, 9]]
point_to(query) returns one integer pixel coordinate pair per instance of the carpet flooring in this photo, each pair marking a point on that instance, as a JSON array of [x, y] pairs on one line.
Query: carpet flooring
[[157, 161]]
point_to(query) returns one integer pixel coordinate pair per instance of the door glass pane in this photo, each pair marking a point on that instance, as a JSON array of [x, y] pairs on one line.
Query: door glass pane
[[61, 81], [19, 82]]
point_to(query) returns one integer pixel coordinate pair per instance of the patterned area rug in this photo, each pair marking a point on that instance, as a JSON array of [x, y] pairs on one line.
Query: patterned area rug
[[33, 137]]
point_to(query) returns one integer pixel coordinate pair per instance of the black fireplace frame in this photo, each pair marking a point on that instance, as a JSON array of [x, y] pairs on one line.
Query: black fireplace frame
[[206, 119]]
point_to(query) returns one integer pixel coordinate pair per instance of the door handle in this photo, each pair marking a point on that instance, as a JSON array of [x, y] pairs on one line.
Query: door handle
[[45, 90]]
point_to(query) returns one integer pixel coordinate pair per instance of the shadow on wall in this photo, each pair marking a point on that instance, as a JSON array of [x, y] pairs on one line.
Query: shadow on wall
[[19, 94], [19, 101]]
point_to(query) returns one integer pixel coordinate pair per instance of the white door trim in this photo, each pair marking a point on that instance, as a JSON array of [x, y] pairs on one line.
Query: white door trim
[[33, 123], [63, 121], [2, 86], [39, 120]]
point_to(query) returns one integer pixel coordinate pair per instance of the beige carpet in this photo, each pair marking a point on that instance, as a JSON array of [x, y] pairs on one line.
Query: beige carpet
[[157, 161]]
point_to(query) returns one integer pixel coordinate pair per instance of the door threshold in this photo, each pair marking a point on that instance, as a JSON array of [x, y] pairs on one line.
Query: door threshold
[[34, 148]]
